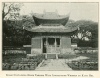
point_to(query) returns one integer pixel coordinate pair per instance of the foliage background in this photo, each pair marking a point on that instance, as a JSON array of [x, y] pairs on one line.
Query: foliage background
[[14, 34]]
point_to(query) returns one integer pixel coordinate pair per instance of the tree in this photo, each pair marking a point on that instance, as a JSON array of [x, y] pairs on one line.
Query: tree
[[11, 22], [87, 34], [10, 10], [86, 29], [28, 21]]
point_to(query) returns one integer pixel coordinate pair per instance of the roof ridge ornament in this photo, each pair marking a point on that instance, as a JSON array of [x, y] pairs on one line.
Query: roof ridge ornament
[[44, 11], [69, 14], [56, 11]]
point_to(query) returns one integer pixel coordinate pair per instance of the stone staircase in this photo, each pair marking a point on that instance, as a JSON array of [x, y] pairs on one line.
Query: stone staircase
[[51, 55]]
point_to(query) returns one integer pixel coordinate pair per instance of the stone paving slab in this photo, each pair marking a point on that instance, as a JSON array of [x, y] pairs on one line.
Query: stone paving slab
[[54, 65]]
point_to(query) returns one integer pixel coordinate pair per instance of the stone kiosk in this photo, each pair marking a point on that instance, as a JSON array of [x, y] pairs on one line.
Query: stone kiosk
[[51, 37]]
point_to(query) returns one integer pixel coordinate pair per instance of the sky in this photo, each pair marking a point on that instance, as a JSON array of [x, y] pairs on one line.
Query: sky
[[78, 11]]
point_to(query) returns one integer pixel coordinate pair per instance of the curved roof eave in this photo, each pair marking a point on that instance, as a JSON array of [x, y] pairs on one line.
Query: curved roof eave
[[58, 30], [40, 19]]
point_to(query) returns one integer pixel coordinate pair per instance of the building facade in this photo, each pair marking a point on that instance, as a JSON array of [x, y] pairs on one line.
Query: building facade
[[50, 34]]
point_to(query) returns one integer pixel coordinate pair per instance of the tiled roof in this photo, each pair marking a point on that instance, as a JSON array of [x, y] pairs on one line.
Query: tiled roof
[[51, 29], [50, 17]]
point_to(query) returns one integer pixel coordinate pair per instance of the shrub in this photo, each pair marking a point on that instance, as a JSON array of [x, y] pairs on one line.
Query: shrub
[[21, 63], [83, 65]]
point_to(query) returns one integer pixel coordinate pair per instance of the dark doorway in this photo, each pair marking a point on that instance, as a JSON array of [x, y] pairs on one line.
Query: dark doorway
[[44, 45], [51, 41], [58, 42], [50, 44]]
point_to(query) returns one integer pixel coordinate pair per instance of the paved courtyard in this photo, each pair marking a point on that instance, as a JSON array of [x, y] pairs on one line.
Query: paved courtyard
[[54, 65], [57, 64]]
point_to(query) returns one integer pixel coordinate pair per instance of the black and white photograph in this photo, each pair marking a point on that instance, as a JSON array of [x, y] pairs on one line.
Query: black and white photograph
[[50, 36]]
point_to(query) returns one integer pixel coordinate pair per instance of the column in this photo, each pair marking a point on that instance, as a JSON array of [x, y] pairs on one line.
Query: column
[[46, 56], [55, 45], [46, 48], [47, 45], [46, 41], [56, 56]]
